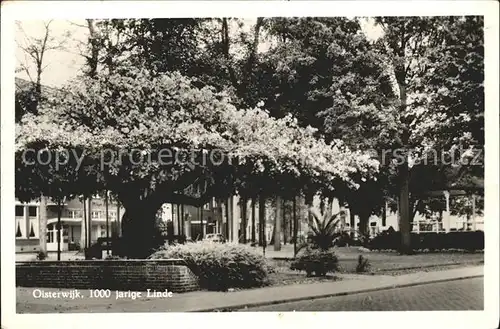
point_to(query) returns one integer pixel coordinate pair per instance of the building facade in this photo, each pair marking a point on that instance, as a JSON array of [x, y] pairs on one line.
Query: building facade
[[74, 232], [224, 217]]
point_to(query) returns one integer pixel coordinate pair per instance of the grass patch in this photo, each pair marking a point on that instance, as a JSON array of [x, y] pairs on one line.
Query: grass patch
[[388, 263]]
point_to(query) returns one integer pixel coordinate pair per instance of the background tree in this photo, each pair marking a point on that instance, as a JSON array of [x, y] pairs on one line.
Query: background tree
[[29, 95], [33, 64], [424, 80], [385, 95]]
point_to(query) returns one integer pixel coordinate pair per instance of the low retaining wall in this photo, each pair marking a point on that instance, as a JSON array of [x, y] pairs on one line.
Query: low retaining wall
[[136, 275], [27, 245]]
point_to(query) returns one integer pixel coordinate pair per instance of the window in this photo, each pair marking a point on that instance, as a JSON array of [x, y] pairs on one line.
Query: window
[[74, 214], [206, 206], [50, 237], [32, 211], [20, 211], [112, 214], [96, 214], [103, 231], [19, 233]]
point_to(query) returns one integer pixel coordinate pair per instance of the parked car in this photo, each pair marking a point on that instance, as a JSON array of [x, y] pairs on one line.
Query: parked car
[[215, 237]]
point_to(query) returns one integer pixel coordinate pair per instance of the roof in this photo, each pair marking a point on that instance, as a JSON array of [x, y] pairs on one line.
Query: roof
[[23, 84]]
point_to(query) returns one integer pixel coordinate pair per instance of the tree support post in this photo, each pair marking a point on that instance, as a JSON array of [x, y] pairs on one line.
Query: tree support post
[[447, 213], [277, 225], [473, 212], [295, 227]]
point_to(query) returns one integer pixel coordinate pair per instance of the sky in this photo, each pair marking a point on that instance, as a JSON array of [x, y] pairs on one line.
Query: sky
[[65, 64]]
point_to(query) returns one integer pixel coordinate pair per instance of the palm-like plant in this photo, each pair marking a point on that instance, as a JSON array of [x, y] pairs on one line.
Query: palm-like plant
[[325, 230], [317, 255]]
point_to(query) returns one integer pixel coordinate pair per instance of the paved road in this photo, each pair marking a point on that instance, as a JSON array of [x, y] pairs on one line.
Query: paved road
[[443, 296]]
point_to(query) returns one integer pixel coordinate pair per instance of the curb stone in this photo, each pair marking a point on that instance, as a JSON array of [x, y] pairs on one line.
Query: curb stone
[[338, 294]]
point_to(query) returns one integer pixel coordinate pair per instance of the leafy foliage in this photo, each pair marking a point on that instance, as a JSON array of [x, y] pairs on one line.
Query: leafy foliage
[[221, 266], [363, 264], [468, 240], [324, 230], [137, 110], [41, 255], [317, 261]]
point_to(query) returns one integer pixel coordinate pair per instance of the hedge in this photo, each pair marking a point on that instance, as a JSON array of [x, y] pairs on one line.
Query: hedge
[[469, 240]]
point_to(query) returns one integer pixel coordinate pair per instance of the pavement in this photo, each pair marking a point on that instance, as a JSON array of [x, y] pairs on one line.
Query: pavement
[[203, 301]]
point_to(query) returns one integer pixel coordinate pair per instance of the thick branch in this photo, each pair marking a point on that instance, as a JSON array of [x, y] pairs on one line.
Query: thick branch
[[226, 46]]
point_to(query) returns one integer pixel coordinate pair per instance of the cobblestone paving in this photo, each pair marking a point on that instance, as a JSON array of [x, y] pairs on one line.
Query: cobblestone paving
[[443, 296]]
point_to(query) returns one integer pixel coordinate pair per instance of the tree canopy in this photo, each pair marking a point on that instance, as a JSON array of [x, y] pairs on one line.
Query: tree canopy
[[303, 114]]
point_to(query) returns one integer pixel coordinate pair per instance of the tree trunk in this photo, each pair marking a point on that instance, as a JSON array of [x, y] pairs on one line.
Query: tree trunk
[[93, 59], [253, 220], [244, 218], [403, 170], [107, 221], [118, 220], [404, 209], [363, 223], [384, 214], [322, 205], [42, 228], [201, 222], [89, 219], [295, 226], [352, 222], [285, 225], [183, 221], [226, 207], [309, 203], [139, 228], [277, 225], [262, 221], [59, 213], [179, 224], [83, 235]]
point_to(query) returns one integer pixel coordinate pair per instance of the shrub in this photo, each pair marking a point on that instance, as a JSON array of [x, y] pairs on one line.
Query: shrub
[[363, 265], [41, 255], [315, 260], [94, 251], [221, 266], [324, 230]]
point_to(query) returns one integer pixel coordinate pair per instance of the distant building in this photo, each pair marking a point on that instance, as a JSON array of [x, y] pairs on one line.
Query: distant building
[[28, 219]]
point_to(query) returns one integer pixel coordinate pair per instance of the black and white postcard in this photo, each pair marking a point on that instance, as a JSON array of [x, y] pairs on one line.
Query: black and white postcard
[[308, 162]]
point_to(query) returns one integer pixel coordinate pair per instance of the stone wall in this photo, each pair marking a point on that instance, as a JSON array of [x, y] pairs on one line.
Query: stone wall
[[136, 275]]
